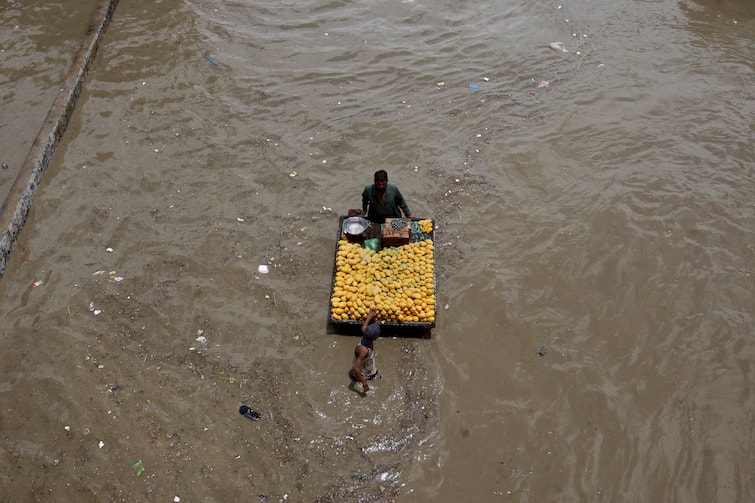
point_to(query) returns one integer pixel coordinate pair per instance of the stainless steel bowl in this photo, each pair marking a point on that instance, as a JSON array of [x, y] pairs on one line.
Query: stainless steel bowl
[[354, 226]]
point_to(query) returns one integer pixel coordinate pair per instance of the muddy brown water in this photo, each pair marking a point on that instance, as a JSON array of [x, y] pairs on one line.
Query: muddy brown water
[[596, 233]]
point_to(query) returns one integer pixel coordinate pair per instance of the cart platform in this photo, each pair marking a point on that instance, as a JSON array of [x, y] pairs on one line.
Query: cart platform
[[399, 281]]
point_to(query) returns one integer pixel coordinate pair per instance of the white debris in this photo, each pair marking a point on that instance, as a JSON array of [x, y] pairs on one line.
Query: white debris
[[558, 46]]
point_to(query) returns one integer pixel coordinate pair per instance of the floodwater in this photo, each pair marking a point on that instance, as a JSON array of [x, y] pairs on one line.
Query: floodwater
[[595, 215]]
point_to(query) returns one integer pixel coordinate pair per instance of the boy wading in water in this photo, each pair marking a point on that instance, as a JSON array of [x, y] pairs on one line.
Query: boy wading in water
[[364, 354]]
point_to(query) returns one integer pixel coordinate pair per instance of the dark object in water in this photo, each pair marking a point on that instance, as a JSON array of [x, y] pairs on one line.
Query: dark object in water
[[248, 412]]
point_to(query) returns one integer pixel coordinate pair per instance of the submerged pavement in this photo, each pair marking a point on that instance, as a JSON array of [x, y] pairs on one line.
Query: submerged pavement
[[20, 194]]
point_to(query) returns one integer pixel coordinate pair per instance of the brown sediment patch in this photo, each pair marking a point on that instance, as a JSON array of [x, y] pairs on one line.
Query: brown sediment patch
[[16, 206]]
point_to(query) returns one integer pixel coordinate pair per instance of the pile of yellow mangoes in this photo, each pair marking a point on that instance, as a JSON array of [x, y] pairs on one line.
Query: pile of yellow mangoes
[[426, 226], [397, 281]]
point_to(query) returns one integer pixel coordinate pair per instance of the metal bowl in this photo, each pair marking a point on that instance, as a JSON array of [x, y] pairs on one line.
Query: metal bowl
[[354, 226]]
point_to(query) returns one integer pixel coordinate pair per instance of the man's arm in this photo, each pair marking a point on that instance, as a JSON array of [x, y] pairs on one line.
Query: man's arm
[[365, 200], [401, 203], [370, 315]]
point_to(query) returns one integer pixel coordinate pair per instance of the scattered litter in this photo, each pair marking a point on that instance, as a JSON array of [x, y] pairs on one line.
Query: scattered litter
[[138, 467], [474, 86], [115, 387], [176, 499], [98, 273], [69, 433], [37, 283], [542, 351], [543, 84], [109, 250], [247, 412], [5, 165], [93, 310], [262, 269], [114, 278], [293, 174], [558, 46], [239, 219], [211, 60], [101, 444], [201, 339]]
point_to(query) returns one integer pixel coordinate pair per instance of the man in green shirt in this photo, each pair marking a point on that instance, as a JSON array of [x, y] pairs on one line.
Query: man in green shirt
[[381, 200]]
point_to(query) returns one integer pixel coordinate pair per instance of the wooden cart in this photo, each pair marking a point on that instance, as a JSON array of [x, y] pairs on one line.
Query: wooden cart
[[396, 276]]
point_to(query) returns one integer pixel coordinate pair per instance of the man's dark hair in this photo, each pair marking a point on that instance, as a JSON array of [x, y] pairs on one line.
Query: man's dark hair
[[381, 175]]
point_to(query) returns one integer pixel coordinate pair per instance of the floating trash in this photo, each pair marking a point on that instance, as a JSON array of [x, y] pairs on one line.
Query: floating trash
[[474, 86], [542, 351], [211, 60], [37, 283], [113, 278], [558, 46], [247, 412], [262, 269], [138, 467], [543, 84]]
